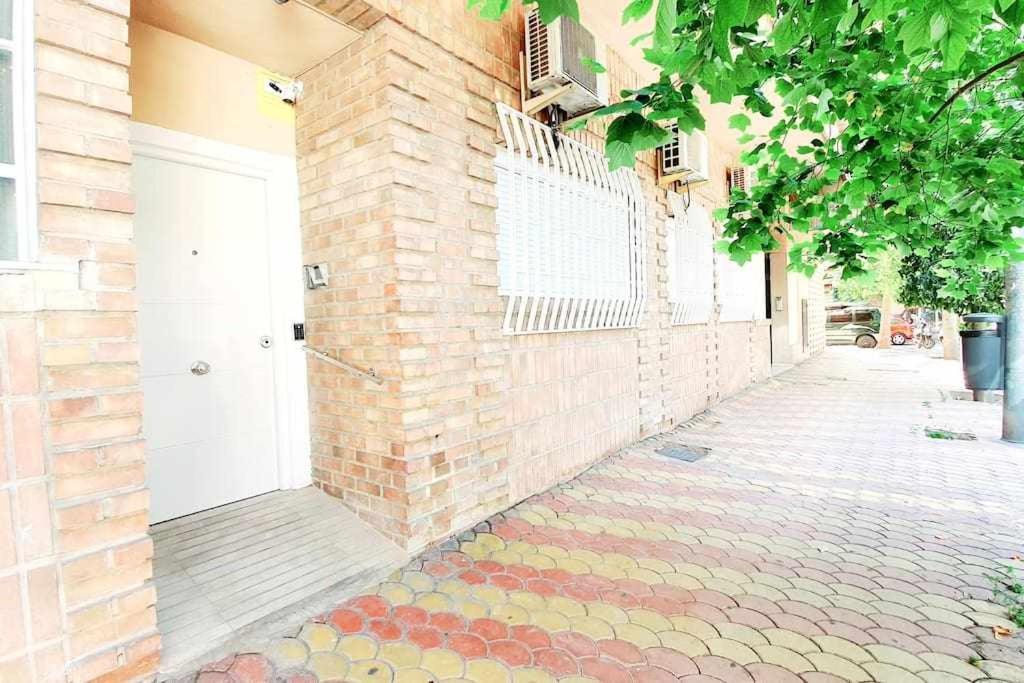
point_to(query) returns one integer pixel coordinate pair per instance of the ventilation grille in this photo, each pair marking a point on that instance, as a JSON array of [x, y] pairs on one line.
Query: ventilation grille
[[738, 179], [538, 39], [672, 153], [685, 155], [577, 44]]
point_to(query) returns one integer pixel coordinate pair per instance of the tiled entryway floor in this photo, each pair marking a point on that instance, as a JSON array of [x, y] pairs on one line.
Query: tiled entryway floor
[[824, 538], [220, 571]]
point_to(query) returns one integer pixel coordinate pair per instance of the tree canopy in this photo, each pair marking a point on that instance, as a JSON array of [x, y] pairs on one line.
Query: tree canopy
[[910, 113]]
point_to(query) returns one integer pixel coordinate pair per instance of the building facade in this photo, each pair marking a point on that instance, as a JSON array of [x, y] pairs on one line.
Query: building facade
[[159, 205]]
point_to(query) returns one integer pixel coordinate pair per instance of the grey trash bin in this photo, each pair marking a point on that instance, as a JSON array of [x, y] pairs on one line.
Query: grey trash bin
[[984, 351]]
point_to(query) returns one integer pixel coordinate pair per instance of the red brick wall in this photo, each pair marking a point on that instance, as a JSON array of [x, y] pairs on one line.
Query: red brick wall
[[75, 559], [396, 141]]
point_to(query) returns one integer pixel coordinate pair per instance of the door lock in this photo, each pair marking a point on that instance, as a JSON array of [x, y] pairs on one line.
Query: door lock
[[200, 367], [266, 342]]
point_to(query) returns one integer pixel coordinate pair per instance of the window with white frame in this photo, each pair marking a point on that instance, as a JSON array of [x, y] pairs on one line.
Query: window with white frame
[[571, 242], [741, 289], [17, 134], [691, 262]]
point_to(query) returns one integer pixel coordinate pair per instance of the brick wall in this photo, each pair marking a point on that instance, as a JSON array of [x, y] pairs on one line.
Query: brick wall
[[397, 139], [75, 560]]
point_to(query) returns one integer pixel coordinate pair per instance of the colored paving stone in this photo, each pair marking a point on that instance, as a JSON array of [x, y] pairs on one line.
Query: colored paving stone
[[824, 539]]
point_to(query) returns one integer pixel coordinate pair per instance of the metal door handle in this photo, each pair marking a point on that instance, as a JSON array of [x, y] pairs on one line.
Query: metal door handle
[[200, 367]]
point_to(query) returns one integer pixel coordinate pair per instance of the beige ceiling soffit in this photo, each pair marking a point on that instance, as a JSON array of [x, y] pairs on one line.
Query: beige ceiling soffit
[[358, 14], [288, 39]]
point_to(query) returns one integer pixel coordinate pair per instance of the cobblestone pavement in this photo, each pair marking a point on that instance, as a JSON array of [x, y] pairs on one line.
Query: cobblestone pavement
[[824, 538]]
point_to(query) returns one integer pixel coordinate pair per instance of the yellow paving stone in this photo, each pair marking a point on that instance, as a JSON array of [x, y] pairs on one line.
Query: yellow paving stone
[[732, 650], [396, 593], [319, 637], [475, 550], [742, 633], [729, 574], [490, 595], [549, 621], [455, 588], [652, 535], [887, 654], [287, 653], [974, 605], [561, 524], [715, 542], [770, 580], [507, 557], [750, 547], [572, 565], [531, 675], [784, 657], [855, 592], [607, 612], [609, 571], [898, 597], [890, 673], [620, 532], [418, 581], [414, 676], [940, 677], [858, 606], [588, 527], [357, 647], [566, 606], [527, 600], [695, 627], [645, 575], [328, 666], [656, 566], [443, 663], [989, 620], [694, 570], [400, 655], [683, 581], [638, 635], [538, 561], [839, 667], [587, 556], [522, 547], [649, 619], [591, 626], [531, 517], [726, 587], [723, 534], [844, 648], [897, 610], [620, 560], [819, 601], [942, 602], [471, 609], [434, 602], [683, 642], [951, 665], [578, 679], [369, 671], [1001, 671], [765, 591], [487, 671], [811, 586], [553, 551], [789, 639], [510, 614]]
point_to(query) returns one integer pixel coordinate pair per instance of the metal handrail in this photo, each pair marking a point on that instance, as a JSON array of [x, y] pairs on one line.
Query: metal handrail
[[370, 375]]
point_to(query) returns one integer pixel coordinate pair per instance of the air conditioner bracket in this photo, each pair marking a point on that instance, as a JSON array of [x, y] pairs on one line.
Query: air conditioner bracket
[[536, 104]]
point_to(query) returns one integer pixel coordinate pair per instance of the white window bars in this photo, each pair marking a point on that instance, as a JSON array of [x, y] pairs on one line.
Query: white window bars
[[571, 235], [742, 289], [691, 275]]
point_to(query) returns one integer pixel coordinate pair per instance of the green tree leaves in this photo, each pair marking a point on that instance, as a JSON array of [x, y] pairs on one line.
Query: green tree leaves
[[630, 134]]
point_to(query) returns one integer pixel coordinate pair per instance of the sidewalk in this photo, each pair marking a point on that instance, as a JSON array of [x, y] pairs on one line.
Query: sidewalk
[[824, 537]]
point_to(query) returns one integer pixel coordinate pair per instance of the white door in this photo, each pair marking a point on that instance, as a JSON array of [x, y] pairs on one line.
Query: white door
[[204, 291]]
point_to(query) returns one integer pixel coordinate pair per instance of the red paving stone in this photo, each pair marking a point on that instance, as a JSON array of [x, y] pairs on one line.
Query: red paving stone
[[824, 537]]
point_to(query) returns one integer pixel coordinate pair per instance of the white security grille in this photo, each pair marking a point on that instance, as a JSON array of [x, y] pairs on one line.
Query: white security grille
[[691, 276], [571, 235], [741, 289]]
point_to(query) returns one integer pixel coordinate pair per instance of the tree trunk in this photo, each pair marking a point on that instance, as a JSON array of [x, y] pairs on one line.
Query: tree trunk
[[885, 326], [950, 335]]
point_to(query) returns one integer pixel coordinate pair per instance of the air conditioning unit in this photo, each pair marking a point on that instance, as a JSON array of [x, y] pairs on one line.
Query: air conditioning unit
[[555, 68], [684, 157], [739, 177]]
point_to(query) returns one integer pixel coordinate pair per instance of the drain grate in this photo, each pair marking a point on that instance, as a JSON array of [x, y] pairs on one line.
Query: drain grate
[[684, 453]]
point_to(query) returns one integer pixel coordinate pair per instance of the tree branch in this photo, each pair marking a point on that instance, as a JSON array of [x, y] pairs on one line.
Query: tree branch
[[971, 84]]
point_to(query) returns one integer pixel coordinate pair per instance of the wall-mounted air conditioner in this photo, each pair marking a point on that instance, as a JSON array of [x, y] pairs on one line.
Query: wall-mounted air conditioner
[[739, 177], [684, 157], [555, 70]]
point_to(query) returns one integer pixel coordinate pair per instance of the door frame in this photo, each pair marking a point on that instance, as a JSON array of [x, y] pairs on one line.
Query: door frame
[[284, 263]]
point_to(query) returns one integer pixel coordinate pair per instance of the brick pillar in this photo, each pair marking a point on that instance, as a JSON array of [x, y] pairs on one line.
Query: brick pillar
[[75, 558]]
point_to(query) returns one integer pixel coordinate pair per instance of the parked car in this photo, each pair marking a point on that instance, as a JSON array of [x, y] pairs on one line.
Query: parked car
[[860, 325]]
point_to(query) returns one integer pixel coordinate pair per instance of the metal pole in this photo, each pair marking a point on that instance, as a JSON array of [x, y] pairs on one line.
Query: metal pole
[[1013, 396]]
